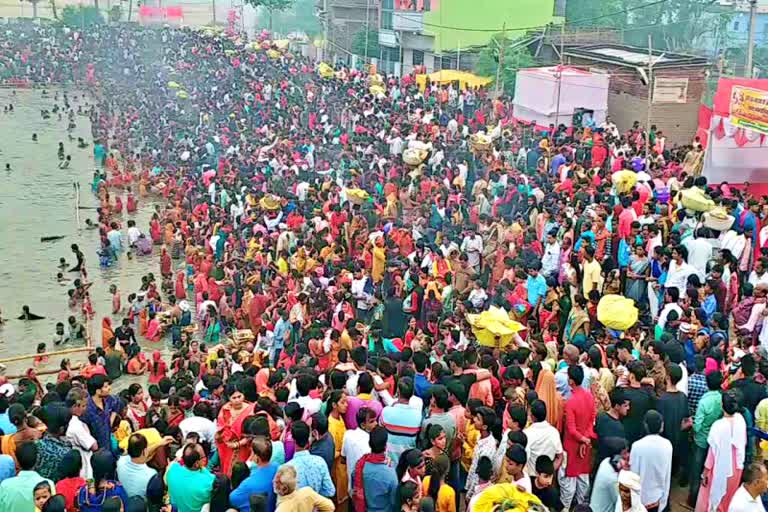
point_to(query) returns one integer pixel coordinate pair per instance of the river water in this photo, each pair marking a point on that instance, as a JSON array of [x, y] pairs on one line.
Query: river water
[[37, 199]]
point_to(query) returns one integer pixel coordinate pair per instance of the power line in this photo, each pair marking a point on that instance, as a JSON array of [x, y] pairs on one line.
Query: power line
[[536, 27]]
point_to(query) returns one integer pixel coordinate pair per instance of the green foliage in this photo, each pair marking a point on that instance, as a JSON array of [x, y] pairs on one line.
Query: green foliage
[[78, 16], [358, 43], [301, 18], [736, 60], [513, 60], [272, 7], [594, 13], [115, 13], [676, 25]]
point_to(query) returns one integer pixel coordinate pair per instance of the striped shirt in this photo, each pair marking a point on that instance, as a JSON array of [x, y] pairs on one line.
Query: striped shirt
[[403, 423]]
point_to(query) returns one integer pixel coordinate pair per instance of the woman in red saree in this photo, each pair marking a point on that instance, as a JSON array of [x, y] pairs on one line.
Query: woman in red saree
[[166, 264], [231, 442], [155, 230], [180, 286], [131, 204]]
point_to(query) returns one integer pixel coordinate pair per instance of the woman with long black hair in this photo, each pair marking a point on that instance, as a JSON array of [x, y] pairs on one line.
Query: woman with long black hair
[[435, 487]]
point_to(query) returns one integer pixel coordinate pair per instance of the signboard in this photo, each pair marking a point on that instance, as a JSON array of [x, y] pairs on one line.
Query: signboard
[[150, 14], [387, 38], [670, 90], [749, 108]]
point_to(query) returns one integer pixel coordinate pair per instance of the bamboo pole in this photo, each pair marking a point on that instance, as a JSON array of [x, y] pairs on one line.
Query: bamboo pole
[[37, 372], [49, 371], [48, 354]]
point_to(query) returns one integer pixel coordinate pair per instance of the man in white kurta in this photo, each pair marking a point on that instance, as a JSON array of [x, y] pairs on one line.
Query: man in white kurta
[[651, 458]]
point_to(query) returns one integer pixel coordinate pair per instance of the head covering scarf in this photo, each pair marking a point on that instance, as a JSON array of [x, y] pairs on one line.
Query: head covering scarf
[[547, 392]]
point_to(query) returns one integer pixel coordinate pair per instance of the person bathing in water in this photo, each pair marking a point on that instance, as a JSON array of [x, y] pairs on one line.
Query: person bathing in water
[[26, 314], [64, 164]]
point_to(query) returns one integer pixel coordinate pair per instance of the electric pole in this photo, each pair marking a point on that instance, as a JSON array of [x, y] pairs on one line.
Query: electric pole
[[751, 41], [501, 58], [560, 75], [650, 100], [367, 30]]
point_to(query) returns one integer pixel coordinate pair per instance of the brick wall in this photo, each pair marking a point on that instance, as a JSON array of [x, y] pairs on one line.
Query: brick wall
[[628, 99], [678, 121]]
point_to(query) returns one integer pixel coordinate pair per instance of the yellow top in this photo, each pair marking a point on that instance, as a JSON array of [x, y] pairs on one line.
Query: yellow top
[[446, 496]]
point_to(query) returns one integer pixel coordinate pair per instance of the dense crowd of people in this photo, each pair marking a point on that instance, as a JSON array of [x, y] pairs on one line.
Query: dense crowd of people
[[322, 299]]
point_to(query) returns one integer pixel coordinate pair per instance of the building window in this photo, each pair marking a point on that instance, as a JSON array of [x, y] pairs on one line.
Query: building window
[[390, 54], [418, 58], [387, 6], [736, 25]]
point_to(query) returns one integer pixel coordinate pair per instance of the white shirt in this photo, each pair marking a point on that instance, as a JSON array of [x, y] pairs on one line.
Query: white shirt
[[354, 446], [477, 297], [543, 439], [473, 246], [699, 253], [80, 436], [301, 190], [395, 146], [677, 275], [358, 292], [682, 385], [669, 307], [651, 458], [550, 262], [734, 242], [204, 427], [754, 279], [202, 309], [742, 501], [352, 383], [133, 235], [309, 404]]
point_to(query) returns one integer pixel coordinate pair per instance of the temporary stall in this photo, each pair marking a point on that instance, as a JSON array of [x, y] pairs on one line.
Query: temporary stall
[[554, 95], [171, 15], [447, 76], [737, 149]]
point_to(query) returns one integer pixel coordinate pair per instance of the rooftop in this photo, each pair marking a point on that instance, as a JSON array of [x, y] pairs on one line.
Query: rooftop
[[631, 56]]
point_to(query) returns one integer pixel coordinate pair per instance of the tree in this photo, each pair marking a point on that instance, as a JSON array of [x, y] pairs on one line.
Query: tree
[[515, 58], [676, 25], [115, 13], [81, 17], [301, 18], [594, 13], [272, 7], [359, 43]]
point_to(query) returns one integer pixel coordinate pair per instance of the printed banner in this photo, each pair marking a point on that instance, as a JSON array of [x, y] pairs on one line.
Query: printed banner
[[749, 108]]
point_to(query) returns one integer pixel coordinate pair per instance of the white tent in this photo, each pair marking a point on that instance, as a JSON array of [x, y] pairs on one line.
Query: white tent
[[536, 91]]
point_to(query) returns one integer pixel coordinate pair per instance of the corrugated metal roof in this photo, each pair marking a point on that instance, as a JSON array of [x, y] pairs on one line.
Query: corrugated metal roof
[[632, 56]]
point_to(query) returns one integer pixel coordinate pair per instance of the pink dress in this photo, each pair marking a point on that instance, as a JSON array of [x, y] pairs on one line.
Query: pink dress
[[153, 330], [702, 502]]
